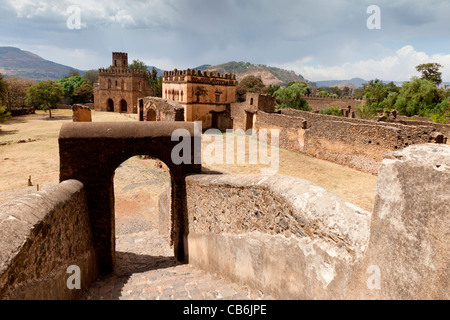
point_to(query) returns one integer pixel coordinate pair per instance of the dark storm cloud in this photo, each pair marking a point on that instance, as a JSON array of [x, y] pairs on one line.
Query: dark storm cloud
[[187, 33]]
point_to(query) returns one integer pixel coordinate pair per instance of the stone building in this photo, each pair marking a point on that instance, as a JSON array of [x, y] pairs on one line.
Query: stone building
[[119, 88], [205, 96]]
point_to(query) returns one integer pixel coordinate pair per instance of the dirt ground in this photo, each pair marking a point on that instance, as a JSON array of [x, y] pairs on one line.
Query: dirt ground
[[29, 147]]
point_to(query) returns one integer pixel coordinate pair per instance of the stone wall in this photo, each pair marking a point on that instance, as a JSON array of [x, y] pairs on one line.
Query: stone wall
[[81, 113], [317, 103], [294, 240], [159, 109], [410, 225], [285, 236], [356, 143], [41, 235]]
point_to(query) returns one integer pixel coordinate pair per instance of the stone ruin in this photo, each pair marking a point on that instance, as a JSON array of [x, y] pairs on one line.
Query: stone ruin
[[283, 235], [81, 113]]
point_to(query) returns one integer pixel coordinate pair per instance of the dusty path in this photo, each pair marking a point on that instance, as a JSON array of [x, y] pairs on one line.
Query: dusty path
[[145, 265]]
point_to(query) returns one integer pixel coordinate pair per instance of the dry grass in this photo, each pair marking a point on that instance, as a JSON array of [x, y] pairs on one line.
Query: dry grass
[[40, 159]]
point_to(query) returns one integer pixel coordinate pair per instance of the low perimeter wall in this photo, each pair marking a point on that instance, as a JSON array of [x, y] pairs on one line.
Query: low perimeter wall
[[294, 240], [282, 235], [41, 235]]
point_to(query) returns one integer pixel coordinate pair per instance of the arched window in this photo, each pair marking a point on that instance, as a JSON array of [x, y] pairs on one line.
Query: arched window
[[109, 83], [122, 85], [117, 84]]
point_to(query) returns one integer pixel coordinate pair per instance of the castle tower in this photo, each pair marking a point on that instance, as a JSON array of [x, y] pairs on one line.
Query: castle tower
[[206, 96], [120, 60], [119, 88]]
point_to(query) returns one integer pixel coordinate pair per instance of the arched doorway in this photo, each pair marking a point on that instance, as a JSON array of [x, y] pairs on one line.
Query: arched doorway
[[123, 106], [110, 105], [151, 115], [90, 152]]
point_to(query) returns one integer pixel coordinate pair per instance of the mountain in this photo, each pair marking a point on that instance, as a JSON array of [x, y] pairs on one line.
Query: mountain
[[203, 67], [160, 71], [18, 63], [357, 82], [269, 75]]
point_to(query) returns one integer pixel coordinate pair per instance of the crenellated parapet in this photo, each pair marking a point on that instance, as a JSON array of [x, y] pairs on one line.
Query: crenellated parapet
[[198, 76], [112, 71]]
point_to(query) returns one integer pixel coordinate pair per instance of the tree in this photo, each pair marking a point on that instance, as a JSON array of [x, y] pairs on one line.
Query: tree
[[15, 94], [138, 65], [430, 71], [73, 73], [271, 89], [45, 95], [3, 114], [376, 92], [91, 76], [291, 96], [417, 97], [84, 93], [249, 84], [2, 86], [155, 82], [70, 84]]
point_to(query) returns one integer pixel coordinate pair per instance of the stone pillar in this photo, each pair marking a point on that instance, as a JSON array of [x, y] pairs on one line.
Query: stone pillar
[[409, 236]]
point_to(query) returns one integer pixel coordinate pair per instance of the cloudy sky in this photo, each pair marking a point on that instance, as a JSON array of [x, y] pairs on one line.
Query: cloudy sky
[[319, 39]]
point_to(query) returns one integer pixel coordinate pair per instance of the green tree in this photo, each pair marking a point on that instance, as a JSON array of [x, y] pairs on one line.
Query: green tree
[[155, 82], [91, 76], [376, 92], [291, 96], [84, 93], [249, 84], [271, 89], [430, 71], [70, 84], [45, 95], [417, 97], [3, 114], [138, 65]]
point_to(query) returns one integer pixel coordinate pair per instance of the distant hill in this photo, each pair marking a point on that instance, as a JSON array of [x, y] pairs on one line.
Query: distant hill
[[269, 75], [160, 72], [357, 82], [203, 67], [15, 62]]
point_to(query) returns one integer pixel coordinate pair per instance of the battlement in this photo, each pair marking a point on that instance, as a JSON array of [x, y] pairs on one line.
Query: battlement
[[120, 72], [198, 76], [120, 60], [315, 96], [120, 55]]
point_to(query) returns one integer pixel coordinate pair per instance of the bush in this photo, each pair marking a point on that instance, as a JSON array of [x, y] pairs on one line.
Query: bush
[[291, 96], [332, 111], [3, 114]]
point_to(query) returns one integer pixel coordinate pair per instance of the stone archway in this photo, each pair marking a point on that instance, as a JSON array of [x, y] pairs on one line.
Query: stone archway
[[110, 105], [151, 115], [91, 152], [123, 106]]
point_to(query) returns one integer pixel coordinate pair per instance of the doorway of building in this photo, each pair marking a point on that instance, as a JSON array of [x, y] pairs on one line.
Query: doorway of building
[[151, 115], [123, 106], [110, 105], [249, 123]]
